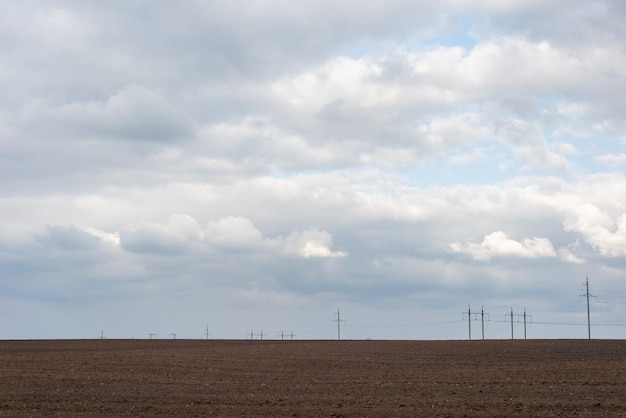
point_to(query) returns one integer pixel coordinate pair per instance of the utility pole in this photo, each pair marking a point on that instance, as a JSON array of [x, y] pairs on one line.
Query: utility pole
[[283, 335], [469, 313], [102, 334], [469, 321], [173, 335], [524, 323], [252, 335], [482, 319], [151, 335], [588, 311], [206, 333], [587, 295], [524, 315], [511, 322], [339, 321]]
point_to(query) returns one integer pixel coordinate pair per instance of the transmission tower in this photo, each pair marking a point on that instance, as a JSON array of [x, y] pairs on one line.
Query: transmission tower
[[469, 320], [252, 335], [518, 316], [469, 314], [482, 319], [283, 335], [588, 295], [339, 321]]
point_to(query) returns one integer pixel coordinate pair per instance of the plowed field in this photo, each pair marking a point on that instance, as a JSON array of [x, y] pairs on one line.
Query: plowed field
[[194, 378]]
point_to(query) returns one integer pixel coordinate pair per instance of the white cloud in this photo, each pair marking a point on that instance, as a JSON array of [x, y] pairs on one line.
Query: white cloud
[[312, 243], [613, 160], [267, 145], [604, 234], [497, 244], [593, 208], [233, 231], [108, 238], [567, 256], [182, 233], [175, 236], [497, 6], [350, 94]]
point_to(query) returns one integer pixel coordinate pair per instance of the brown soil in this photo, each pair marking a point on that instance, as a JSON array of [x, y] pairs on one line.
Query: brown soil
[[115, 378]]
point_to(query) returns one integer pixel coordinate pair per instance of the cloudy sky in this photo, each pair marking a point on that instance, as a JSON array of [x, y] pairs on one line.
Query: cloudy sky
[[253, 166]]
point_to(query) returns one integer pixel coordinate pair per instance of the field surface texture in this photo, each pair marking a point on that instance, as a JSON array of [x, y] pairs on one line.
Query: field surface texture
[[193, 378]]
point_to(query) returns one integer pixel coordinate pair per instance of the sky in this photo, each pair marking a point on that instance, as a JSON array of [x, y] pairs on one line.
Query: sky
[[238, 169]]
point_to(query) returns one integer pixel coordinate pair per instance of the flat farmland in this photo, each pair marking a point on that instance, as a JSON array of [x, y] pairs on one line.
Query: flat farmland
[[194, 378]]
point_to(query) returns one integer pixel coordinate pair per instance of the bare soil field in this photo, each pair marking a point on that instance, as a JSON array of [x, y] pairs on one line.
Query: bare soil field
[[195, 378]]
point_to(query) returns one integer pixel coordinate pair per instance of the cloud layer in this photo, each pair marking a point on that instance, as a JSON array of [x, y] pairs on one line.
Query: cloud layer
[[168, 165]]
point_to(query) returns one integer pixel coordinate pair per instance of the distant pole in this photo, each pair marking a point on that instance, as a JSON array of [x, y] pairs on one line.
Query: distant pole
[[469, 321], [518, 316], [207, 332], [524, 323], [588, 295], [339, 321], [482, 320], [511, 322], [173, 335], [588, 312], [102, 334], [338, 325], [284, 336]]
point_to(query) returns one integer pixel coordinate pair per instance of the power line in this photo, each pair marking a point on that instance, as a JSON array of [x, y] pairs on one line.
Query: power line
[[596, 324]]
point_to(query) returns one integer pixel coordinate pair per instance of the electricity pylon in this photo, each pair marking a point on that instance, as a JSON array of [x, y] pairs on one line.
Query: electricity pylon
[[588, 295], [339, 321]]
